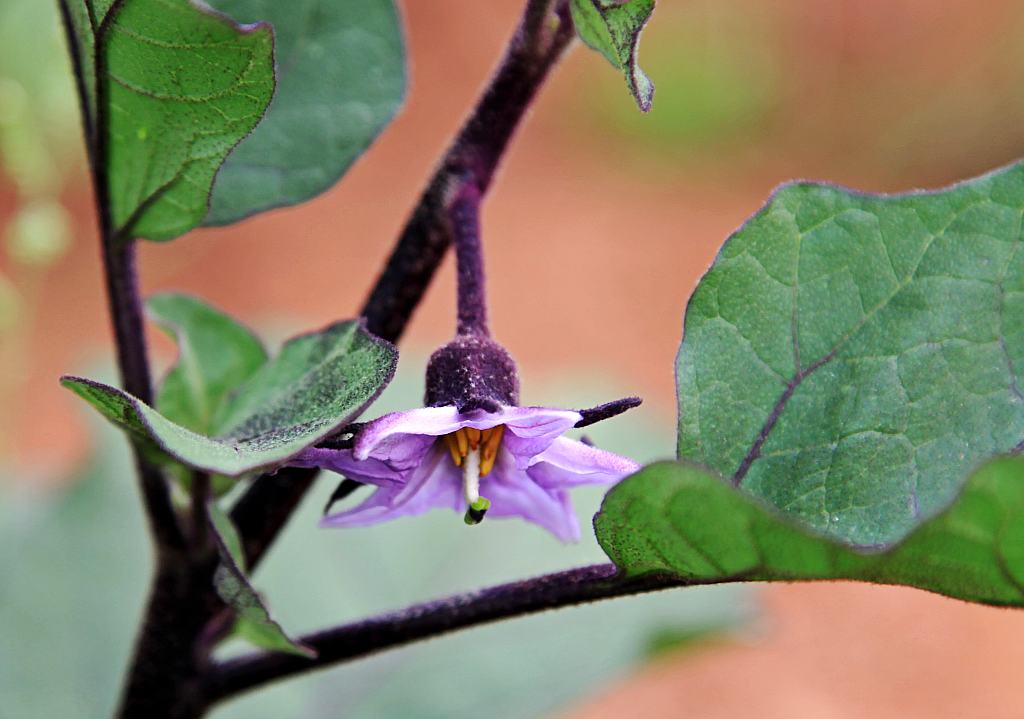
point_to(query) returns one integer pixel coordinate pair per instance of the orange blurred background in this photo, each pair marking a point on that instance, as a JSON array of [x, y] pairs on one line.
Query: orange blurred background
[[597, 230]]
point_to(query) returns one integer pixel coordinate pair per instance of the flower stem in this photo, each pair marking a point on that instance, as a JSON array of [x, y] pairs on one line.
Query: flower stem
[[353, 641], [472, 296]]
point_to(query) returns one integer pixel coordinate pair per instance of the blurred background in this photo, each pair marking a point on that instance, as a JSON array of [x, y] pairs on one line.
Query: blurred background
[[597, 230]]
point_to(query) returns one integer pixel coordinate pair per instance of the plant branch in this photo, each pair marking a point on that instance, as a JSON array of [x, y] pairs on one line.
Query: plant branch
[[352, 641], [471, 159]]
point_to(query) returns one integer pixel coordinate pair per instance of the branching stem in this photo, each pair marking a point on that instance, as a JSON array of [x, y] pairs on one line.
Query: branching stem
[[353, 641]]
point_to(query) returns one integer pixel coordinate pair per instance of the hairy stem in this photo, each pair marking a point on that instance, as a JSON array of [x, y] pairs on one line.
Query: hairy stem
[[352, 641], [470, 160], [472, 297]]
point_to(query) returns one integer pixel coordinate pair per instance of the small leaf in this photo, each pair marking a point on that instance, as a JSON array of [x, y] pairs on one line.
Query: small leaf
[[613, 29], [677, 519], [253, 620], [340, 80], [216, 355], [172, 88], [318, 383], [850, 358]]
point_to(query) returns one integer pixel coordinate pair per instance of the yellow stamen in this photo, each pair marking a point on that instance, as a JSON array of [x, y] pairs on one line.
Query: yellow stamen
[[453, 449], [492, 440], [484, 443]]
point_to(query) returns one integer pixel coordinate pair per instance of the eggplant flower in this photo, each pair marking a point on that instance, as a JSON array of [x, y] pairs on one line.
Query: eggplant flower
[[472, 448], [510, 463], [476, 453]]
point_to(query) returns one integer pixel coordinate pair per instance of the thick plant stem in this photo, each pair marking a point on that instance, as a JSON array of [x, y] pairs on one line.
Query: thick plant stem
[[125, 308], [352, 641], [470, 161], [165, 677]]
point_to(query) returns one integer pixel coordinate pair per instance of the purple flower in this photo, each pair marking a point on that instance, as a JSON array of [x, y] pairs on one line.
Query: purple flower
[[509, 462]]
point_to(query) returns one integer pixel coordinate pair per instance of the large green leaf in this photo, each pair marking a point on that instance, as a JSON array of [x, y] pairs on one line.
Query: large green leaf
[[317, 383], [216, 355], [677, 519], [850, 358], [170, 89], [340, 79], [613, 29]]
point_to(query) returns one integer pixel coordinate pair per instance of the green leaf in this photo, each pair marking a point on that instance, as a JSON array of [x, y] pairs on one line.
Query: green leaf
[[318, 382], [340, 80], [613, 29], [850, 358], [171, 88], [678, 519], [252, 620], [216, 355]]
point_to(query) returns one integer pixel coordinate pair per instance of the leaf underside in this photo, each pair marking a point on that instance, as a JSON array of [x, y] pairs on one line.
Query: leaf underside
[[252, 617], [613, 29], [679, 520], [316, 384], [851, 358], [340, 80]]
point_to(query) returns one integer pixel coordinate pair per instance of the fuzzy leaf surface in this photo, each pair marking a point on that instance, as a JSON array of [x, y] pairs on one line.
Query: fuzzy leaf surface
[[677, 519], [851, 358], [613, 29], [315, 385]]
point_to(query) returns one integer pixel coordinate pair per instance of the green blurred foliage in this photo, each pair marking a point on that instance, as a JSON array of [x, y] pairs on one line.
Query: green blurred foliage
[[39, 234], [40, 139]]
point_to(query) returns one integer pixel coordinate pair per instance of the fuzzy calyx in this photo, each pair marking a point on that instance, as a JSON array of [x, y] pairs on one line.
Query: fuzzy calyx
[[472, 372]]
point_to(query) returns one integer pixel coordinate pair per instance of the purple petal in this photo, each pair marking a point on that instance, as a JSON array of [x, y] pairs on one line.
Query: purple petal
[[435, 483], [568, 463], [514, 494], [531, 430], [369, 471], [429, 421]]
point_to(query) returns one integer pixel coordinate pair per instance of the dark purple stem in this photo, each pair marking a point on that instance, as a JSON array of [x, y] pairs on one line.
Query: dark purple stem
[[470, 161], [472, 295], [352, 641]]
